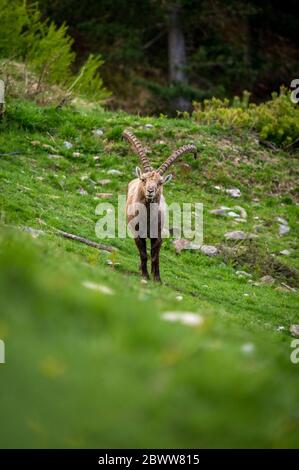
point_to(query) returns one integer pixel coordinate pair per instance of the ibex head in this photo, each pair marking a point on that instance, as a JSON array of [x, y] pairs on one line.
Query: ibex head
[[152, 180]]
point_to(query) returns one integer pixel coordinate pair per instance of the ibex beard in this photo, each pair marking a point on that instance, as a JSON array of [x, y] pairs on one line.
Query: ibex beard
[[146, 206]]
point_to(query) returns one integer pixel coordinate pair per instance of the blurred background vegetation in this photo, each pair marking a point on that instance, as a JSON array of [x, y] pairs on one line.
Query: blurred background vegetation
[[157, 55]]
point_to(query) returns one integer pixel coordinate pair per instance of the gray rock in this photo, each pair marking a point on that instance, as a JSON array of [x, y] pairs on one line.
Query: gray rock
[[218, 211], [148, 126], [243, 274], [294, 329], [283, 229], [233, 192], [285, 252], [114, 172], [98, 132], [67, 144], [232, 214], [235, 235], [35, 233], [282, 221], [209, 250], [267, 280]]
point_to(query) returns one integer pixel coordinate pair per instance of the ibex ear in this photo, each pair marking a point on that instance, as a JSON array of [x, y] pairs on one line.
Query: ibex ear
[[167, 178], [138, 172]]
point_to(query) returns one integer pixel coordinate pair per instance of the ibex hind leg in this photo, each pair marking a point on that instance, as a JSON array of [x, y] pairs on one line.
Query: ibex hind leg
[[141, 245], [155, 255]]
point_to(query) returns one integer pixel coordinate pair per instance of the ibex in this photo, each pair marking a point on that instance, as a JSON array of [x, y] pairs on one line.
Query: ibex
[[146, 193]]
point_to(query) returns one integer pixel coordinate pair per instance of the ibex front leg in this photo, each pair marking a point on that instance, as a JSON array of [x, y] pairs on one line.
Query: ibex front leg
[[155, 254], [141, 245]]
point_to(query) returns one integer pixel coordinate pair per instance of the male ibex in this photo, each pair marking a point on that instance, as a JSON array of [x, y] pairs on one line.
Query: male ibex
[[146, 192]]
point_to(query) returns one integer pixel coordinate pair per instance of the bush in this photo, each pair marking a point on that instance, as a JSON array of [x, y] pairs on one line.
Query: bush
[[276, 120], [47, 50]]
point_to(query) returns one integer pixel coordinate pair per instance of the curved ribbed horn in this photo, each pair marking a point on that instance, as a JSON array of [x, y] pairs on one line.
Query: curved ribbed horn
[[138, 149], [176, 154]]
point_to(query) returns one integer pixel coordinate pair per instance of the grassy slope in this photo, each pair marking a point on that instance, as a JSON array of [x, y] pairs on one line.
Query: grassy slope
[[92, 370]]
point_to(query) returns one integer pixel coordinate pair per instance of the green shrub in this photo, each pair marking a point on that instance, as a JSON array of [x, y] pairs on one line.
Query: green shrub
[[276, 120], [47, 51]]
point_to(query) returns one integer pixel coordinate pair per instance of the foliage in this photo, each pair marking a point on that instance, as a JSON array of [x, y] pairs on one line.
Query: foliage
[[276, 120], [89, 83], [132, 379], [47, 50]]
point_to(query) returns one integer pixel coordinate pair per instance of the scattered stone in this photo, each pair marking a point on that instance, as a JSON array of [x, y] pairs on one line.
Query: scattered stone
[[96, 157], [243, 213], [294, 329], [280, 328], [98, 287], [104, 182], [103, 195], [248, 348], [114, 172], [232, 214], [67, 144], [246, 295], [209, 250], [76, 154], [180, 244], [186, 318], [256, 217], [98, 132], [283, 229], [112, 263], [235, 235], [285, 252], [35, 233], [239, 235], [49, 147], [218, 212], [243, 274], [267, 280], [219, 188], [143, 281], [35, 142], [148, 126], [84, 177], [82, 191], [282, 221], [179, 298], [233, 192]]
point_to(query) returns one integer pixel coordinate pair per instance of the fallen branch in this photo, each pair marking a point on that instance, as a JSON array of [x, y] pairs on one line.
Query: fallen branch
[[99, 246]]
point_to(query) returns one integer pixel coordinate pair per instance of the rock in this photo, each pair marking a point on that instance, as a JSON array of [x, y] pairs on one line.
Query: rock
[[54, 156], [209, 250], [96, 157], [148, 126], [243, 274], [218, 212], [283, 229], [282, 221], [280, 328], [67, 144], [219, 188], [98, 287], [82, 191], [98, 132], [35, 233], [180, 244], [243, 213], [232, 214], [235, 235], [186, 318], [294, 329], [179, 298], [248, 348], [114, 172], [267, 280], [233, 192], [143, 281], [76, 154], [35, 142], [103, 182], [285, 252], [103, 195]]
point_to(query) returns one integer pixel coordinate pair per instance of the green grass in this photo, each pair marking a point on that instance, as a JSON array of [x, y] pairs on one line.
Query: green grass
[[85, 369]]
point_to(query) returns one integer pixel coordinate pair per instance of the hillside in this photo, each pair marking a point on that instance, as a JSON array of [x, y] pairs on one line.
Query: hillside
[[90, 360]]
